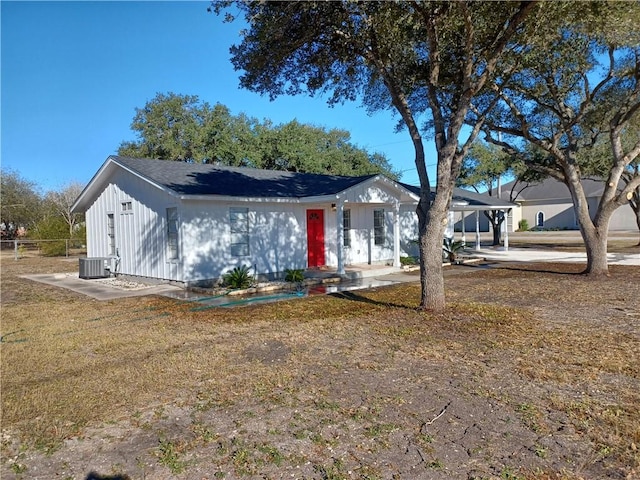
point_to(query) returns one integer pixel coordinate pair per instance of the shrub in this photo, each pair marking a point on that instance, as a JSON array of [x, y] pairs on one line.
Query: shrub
[[294, 275], [408, 261], [51, 228], [451, 249], [56, 248], [523, 225], [239, 277]]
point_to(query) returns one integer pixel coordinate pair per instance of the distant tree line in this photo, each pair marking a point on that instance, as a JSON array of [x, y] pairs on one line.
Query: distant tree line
[[183, 128], [25, 212]]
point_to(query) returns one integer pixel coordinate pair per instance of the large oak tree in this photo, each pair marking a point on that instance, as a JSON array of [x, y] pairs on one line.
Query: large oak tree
[[415, 57], [183, 128], [568, 98]]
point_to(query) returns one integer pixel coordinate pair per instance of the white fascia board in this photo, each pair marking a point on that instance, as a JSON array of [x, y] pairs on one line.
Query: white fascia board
[[400, 188], [89, 185], [230, 198], [381, 178], [481, 208], [109, 163]]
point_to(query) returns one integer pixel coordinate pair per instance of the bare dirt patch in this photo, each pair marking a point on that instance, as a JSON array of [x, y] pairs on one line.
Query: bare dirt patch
[[531, 373]]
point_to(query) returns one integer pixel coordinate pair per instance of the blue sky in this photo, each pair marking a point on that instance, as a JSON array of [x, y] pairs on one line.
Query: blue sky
[[74, 72]]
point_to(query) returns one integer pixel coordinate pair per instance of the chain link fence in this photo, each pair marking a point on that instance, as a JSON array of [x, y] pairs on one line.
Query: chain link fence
[[22, 248]]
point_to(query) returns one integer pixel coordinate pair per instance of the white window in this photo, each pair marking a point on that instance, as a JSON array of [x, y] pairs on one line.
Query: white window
[[127, 207], [172, 233], [540, 219], [111, 235], [239, 223], [346, 228], [378, 227]]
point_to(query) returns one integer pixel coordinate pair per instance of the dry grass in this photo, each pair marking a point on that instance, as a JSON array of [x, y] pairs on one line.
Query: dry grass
[[541, 340]]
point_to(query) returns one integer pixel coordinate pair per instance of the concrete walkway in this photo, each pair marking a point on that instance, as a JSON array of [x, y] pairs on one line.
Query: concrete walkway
[[114, 288], [539, 255]]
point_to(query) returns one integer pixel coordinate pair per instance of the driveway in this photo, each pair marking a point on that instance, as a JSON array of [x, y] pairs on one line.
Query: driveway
[[550, 255]]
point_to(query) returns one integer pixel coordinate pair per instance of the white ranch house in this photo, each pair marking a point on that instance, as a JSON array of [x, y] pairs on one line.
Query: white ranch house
[[190, 223]]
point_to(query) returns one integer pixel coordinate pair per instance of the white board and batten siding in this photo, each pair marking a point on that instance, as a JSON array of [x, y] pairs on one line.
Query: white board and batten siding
[[139, 220]]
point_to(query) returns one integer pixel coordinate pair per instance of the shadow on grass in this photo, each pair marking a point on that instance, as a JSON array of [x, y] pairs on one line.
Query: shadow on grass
[[566, 246], [543, 268], [96, 476], [354, 297]]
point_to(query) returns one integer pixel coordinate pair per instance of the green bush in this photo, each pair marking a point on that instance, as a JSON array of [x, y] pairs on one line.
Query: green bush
[[408, 261], [239, 277], [57, 248], [51, 228], [294, 275], [451, 249], [523, 225]]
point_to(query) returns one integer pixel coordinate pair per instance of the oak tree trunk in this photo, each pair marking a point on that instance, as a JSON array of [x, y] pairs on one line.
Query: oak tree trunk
[[431, 232], [595, 242], [637, 212]]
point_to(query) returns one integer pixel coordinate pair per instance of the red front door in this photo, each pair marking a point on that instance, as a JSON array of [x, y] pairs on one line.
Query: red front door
[[315, 238]]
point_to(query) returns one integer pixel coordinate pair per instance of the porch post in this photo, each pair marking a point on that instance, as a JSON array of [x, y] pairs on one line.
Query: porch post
[[478, 246], [506, 230], [396, 235], [464, 236], [340, 229]]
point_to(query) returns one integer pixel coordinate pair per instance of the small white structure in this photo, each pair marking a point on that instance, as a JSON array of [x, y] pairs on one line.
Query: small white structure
[[190, 223]]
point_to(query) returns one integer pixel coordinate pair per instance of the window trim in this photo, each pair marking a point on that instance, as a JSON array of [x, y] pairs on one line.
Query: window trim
[[173, 254], [111, 234], [126, 207], [346, 227], [379, 231], [239, 232]]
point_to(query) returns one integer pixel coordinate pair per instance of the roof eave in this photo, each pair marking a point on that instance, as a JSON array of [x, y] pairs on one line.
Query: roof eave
[[80, 205]]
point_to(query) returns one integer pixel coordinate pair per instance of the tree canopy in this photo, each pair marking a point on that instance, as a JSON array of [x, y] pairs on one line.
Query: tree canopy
[[20, 205], [570, 98], [29, 213], [181, 127], [411, 57], [483, 169], [59, 203]]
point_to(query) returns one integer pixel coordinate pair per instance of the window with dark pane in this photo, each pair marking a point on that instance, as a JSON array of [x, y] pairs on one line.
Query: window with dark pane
[[239, 227]]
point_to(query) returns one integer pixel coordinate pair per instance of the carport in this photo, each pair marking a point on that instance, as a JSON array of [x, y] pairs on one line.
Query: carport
[[464, 201]]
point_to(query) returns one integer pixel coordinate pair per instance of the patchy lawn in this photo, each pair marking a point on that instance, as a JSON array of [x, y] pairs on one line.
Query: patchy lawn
[[531, 373]]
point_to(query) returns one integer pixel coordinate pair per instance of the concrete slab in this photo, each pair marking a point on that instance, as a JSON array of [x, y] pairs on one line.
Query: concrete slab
[[535, 255], [99, 288], [373, 276]]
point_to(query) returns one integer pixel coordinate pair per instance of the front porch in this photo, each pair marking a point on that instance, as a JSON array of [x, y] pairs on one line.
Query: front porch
[[351, 272]]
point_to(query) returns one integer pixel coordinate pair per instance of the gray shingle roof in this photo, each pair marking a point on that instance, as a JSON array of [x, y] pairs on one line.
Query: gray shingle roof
[[473, 199], [552, 189], [199, 179]]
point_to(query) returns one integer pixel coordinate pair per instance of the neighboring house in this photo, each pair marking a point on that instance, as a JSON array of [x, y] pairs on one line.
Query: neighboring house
[[548, 205], [191, 223]]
